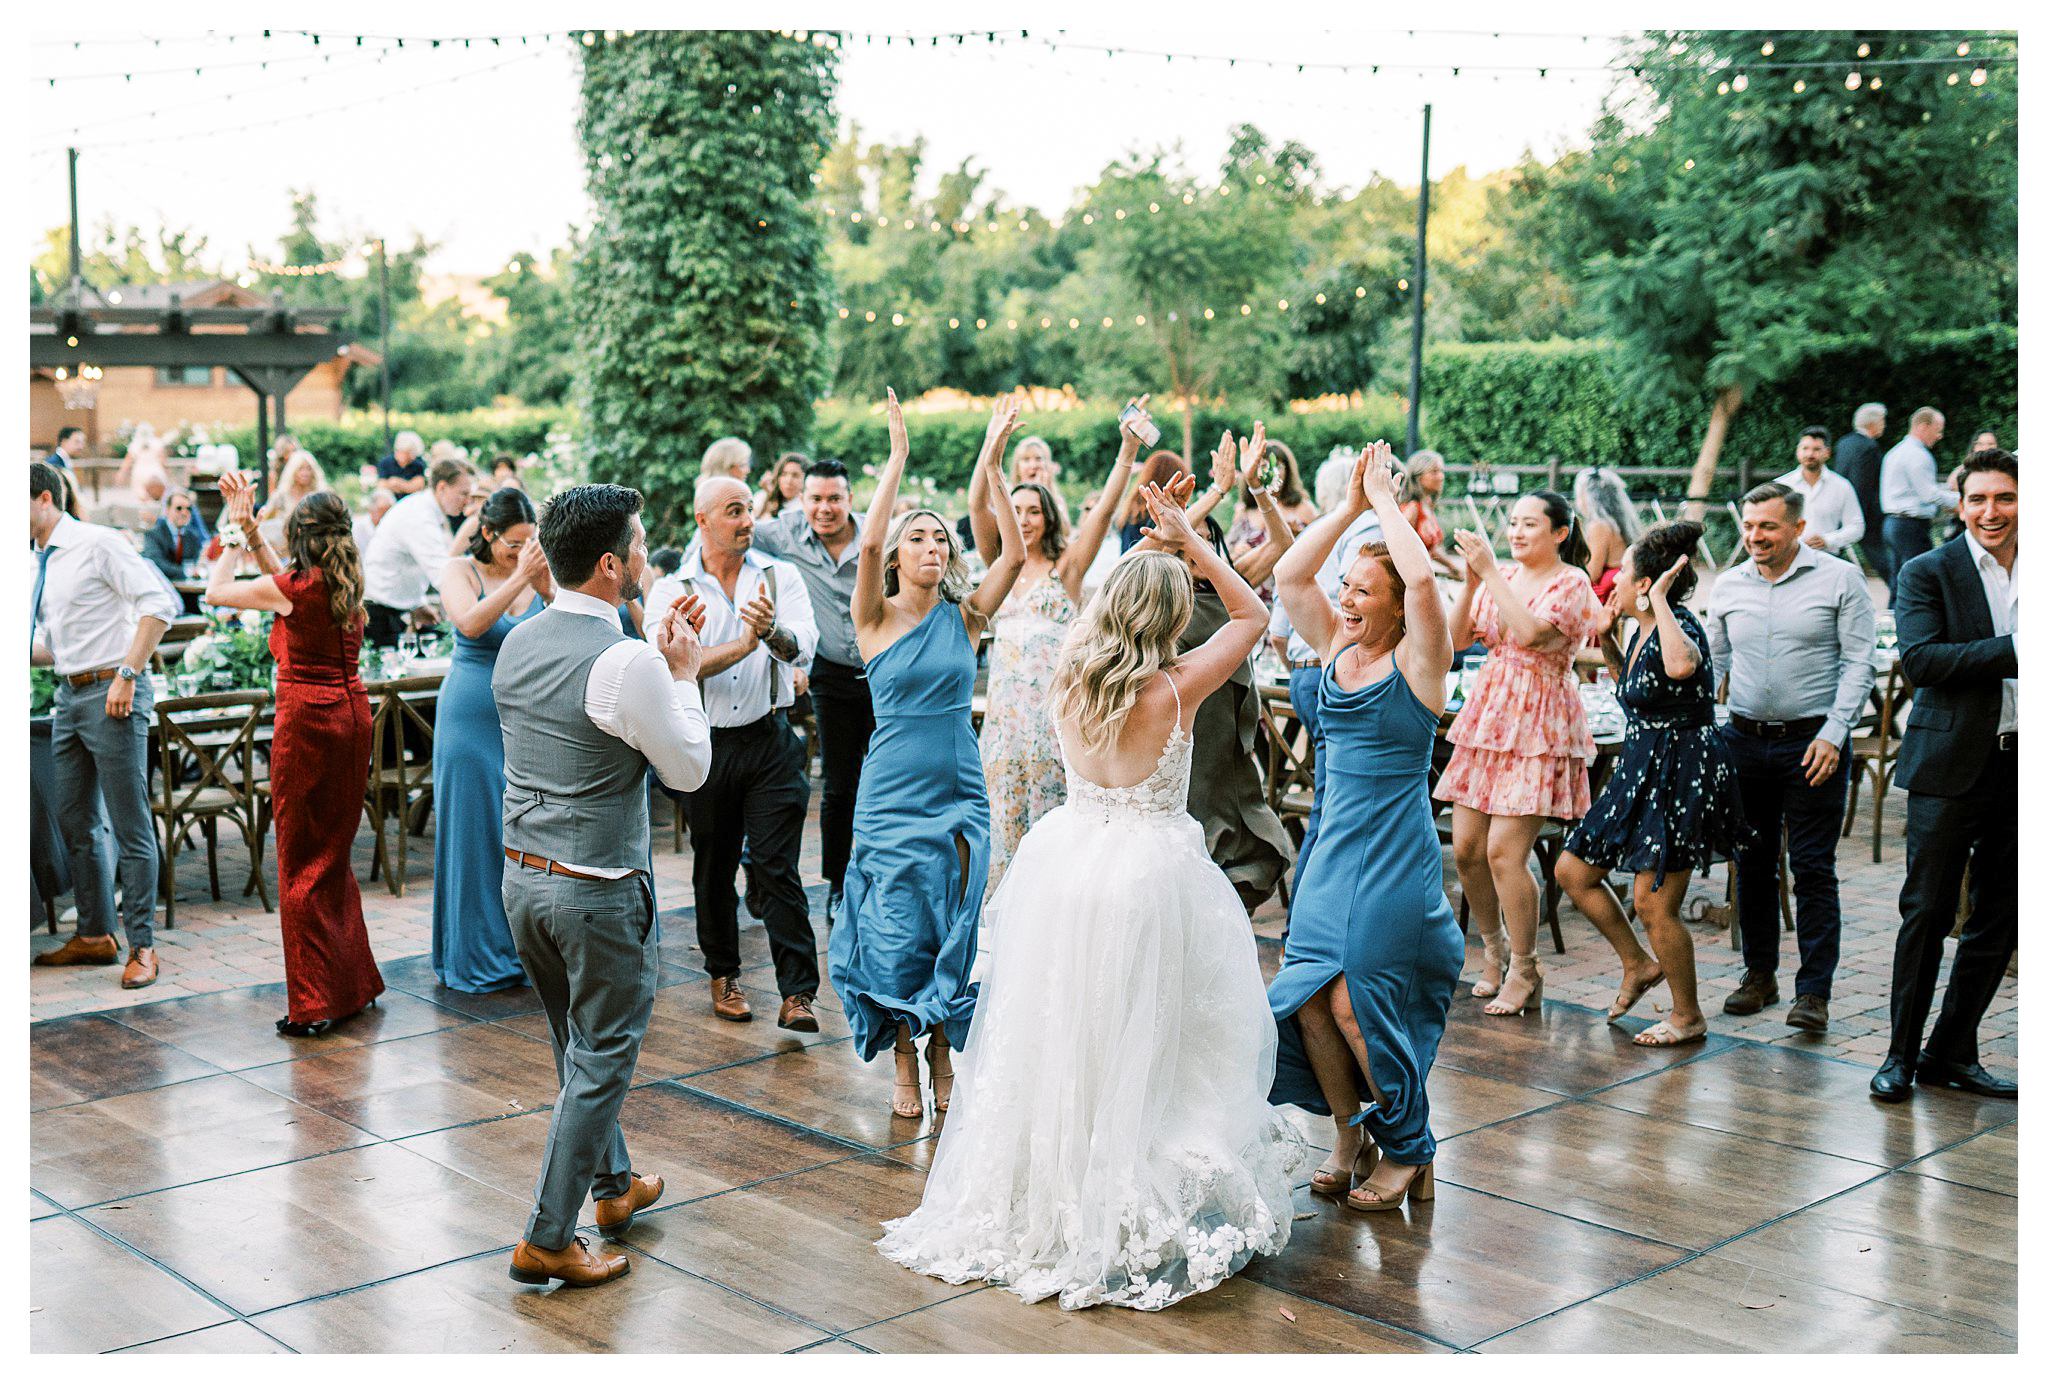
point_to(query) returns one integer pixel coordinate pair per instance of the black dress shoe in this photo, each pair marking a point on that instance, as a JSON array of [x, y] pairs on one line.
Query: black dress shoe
[[286, 1028], [1972, 1078], [833, 903], [1894, 1080]]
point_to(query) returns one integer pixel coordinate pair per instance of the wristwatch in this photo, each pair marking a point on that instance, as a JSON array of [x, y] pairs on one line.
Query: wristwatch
[[125, 673]]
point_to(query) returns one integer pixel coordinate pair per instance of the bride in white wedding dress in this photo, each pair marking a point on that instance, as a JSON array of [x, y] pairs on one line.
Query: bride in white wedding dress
[[1110, 1139]]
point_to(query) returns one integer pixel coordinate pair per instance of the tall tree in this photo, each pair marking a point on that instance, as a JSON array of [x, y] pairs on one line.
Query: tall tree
[[702, 290], [1733, 211]]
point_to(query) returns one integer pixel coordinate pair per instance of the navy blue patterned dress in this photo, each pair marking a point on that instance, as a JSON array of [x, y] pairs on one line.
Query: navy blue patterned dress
[[1672, 802]]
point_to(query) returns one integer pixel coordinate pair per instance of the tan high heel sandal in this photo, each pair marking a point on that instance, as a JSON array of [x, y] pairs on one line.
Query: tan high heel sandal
[[1422, 1187], [942, 1097], [1325, 1182], [1495, 947], [912, 1108], [1522, 970]]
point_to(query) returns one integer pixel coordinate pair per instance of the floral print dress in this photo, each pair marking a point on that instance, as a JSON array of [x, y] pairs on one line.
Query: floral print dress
[[1522, 742], [1020, 752]]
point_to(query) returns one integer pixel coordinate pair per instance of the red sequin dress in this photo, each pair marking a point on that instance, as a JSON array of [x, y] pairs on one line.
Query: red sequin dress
[[319, 768]]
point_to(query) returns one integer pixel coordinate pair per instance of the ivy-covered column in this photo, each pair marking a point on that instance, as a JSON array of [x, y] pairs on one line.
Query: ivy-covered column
[[702, 290]]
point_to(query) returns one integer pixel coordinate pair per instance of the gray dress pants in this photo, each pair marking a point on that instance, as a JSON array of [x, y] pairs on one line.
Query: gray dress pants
[[588, 947], [101, 759]]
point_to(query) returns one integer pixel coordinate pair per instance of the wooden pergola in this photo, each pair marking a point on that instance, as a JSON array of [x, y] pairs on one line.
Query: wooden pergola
[[270, 349]]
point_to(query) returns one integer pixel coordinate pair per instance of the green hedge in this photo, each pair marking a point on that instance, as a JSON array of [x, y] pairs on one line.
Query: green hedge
[[1521, 402]]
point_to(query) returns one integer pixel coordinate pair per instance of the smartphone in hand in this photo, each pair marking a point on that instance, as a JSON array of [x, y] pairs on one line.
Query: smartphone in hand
[[1143, 427]]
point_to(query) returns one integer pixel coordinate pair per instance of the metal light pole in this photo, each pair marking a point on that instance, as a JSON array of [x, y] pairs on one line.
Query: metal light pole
[[1421, 283], [384, 338]]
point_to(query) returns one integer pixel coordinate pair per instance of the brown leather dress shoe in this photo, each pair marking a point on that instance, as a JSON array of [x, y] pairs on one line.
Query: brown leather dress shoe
[[614, 1214], [140, 970], [728, 1001], [1809, 1012], [575, 1265], [1752, 994], [83, 951], [797, 1015]]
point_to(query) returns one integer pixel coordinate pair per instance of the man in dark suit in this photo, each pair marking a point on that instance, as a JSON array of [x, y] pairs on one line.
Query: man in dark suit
[[178, 538], [1857, 461], [1958, 614]]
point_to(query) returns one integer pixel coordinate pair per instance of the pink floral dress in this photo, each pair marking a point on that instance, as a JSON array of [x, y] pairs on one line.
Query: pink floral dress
[[1522, 743]]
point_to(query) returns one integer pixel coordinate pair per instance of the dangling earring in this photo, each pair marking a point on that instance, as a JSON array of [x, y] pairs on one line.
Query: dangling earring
[[1642, 601]]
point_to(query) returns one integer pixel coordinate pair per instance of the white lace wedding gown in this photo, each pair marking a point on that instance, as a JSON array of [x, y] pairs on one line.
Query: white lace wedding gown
[[1110, 1139]]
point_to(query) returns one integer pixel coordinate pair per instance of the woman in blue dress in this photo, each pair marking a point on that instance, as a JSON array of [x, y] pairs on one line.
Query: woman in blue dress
[[900, 959], [1672, 803], [1373, 951], [502, 580]]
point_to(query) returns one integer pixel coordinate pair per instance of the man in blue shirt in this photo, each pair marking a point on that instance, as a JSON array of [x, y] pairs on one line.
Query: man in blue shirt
[[404, 471], [1909, 488]]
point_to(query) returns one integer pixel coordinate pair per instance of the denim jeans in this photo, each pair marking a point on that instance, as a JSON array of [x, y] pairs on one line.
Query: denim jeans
[[1775, 797]]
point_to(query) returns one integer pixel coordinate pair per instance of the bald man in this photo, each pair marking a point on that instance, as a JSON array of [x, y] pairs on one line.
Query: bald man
[[758, 633]]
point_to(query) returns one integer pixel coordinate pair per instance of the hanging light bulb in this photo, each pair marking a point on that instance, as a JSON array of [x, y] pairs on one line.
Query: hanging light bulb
[[1741, 81], [1141, 319], [1953, 78], [871, 315], [1769, 48], [1962, 50], [1208, 314], [1862, 50], [1320, 299], [1876, 82], [1800, 85], [896, 319], [1721, 90], [1979, 77], [1853, 80]]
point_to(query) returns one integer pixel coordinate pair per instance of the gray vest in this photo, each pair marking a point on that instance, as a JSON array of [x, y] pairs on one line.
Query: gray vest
[[572, 792]]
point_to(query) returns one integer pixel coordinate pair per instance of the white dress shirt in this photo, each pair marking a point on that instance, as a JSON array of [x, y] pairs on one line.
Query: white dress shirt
[[739, 696], [1830, 507], [2002, 594], [1330, 577], [1907, 483], [96, 590], [407, 551], [632, 695]]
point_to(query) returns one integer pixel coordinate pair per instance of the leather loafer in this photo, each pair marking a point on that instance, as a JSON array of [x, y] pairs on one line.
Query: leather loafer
[[614, 1214], [1894, 1080], [728, 1001], [1971, 1077], [1753, 994], [797, 1015], [575, 1265], [83, 951], [1809, 1012], [140, 970]]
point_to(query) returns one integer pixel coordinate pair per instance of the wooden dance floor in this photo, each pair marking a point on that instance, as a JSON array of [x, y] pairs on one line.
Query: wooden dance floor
[[199, 1184]]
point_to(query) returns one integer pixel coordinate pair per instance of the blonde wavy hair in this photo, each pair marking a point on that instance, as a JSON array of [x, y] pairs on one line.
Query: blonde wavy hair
[[1127, 633], [954, 582]]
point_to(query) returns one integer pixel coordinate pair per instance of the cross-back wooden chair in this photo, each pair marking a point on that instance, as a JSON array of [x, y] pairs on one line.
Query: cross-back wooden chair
[[1874, 753], [401, 783], [211, 740]]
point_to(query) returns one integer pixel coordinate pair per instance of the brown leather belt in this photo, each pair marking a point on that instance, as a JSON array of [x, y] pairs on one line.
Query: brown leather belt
[[1304, 663], [547, 866], [88, 679]]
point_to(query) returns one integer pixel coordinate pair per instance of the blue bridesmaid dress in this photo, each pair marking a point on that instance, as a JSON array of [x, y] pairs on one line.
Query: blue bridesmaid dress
[[906, 944], [1371, 905], [473, 949]]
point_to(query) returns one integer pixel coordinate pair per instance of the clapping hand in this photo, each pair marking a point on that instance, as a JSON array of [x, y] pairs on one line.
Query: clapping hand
[[1255, 458], [1223, 463], [759, 615], [675, 638], [1375, 474], [1607, 619], [899, 438], [1477, 552], [240, 493], [1169, 526]]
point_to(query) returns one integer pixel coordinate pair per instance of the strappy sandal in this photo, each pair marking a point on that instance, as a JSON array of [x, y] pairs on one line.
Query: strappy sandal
[[1422, 1187], [1335, 1182], [934, 1052], [913, 1107]]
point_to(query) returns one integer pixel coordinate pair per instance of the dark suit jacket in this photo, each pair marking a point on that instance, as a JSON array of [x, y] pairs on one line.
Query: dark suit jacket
[[157, 546], [1857, 459], [1956, 665]]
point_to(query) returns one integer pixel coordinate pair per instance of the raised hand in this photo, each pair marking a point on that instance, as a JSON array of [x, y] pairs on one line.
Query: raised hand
[[1130, 427], [1376, 475], [1477, 552], [899, 437], [1607, 619], [1223, 462], [1253, 463], [533, 563], [689, 609], [1003, 421], [1181, 489], [1660, 589], [1169, 526]]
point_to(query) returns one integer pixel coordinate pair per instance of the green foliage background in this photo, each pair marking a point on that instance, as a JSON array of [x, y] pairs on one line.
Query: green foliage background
[[702, 293]]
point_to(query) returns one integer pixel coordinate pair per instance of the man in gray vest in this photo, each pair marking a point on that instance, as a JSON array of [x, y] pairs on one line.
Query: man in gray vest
[[585, 711]]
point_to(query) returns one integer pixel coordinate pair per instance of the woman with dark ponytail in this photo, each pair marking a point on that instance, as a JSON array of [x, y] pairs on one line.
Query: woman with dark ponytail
[[320, 753], [1522, 739], [1673, 802], [502, 580]]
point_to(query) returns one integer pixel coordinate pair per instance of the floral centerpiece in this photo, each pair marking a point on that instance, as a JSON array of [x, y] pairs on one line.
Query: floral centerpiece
[[233, 653]]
